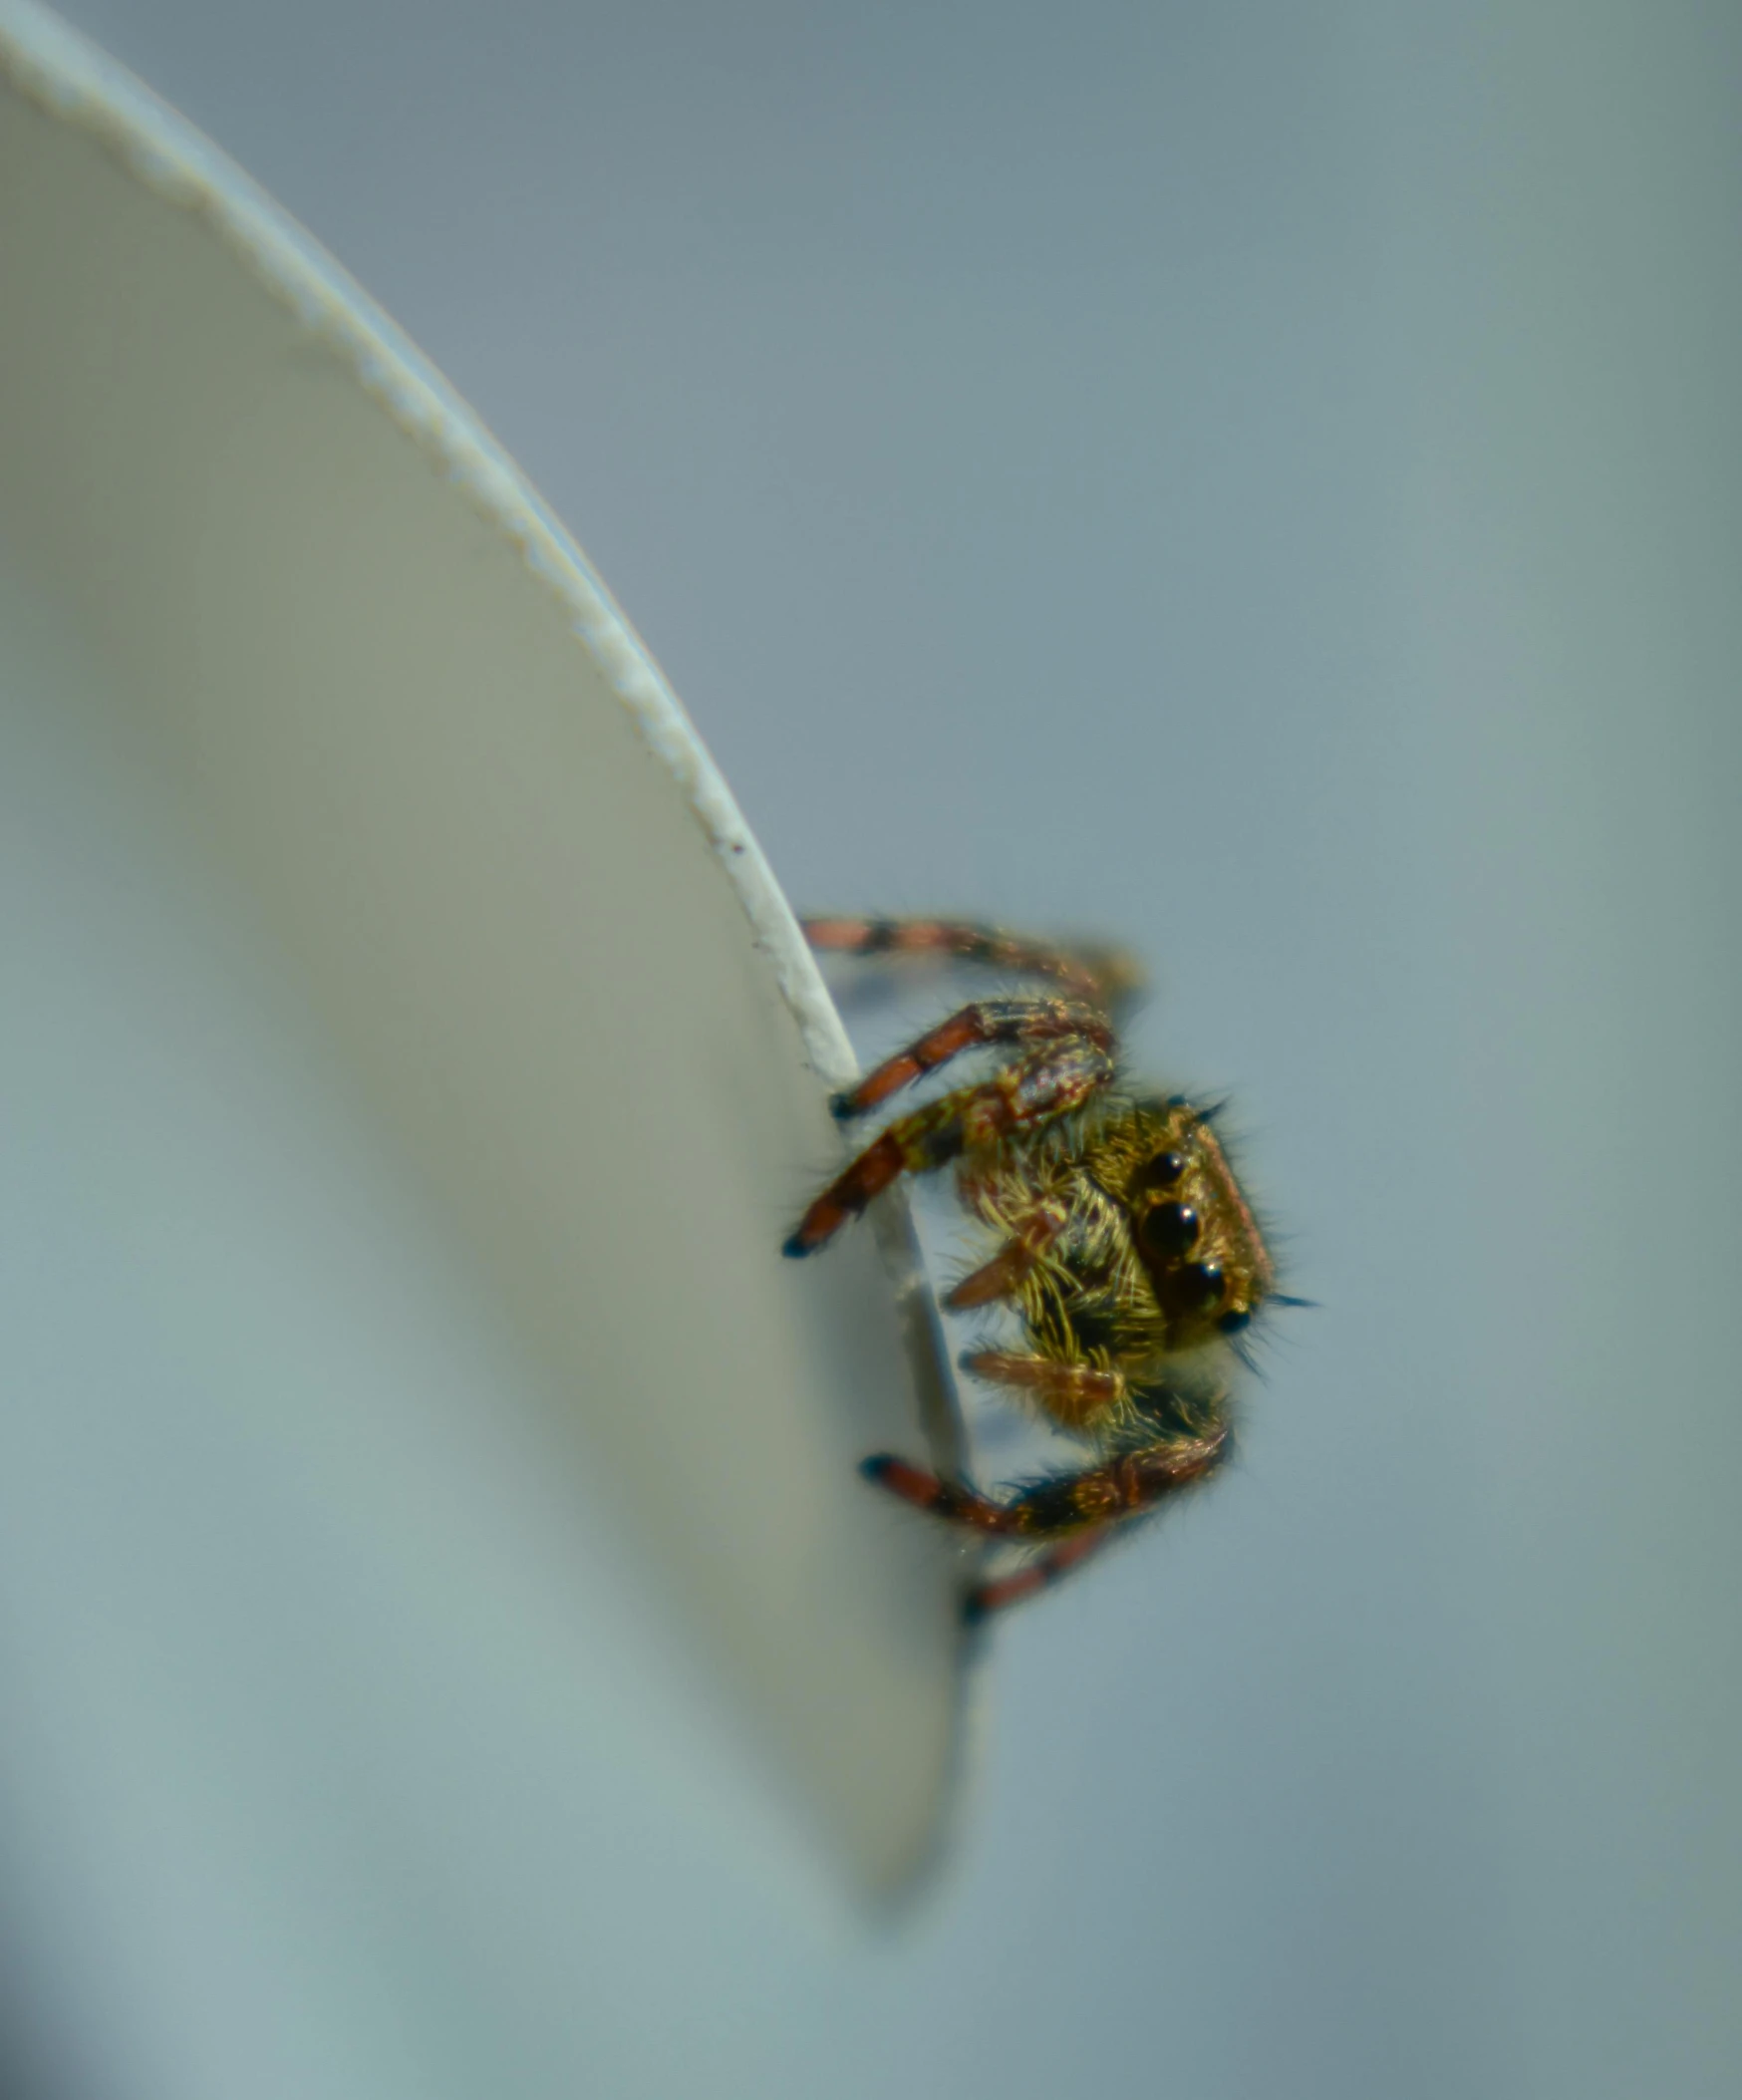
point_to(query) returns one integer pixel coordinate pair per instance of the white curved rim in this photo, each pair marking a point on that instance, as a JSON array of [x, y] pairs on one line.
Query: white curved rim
[[75, 81]]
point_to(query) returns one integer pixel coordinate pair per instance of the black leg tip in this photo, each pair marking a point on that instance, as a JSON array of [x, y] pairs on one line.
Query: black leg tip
[[974, 1611], [878, 1466], [797, 1247], [841, 1107]]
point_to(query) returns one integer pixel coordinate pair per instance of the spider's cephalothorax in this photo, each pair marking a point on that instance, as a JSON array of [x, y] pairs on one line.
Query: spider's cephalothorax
[[1122, 1240]]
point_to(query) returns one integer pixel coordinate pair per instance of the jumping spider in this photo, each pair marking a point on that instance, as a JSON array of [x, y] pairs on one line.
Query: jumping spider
[[1124, 1243]]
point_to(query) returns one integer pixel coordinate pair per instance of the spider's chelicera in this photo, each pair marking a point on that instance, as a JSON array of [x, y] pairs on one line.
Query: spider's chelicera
[[1121, 1238]]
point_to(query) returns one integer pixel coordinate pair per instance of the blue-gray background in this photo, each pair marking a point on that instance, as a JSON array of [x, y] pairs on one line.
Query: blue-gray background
[[1263, 480]]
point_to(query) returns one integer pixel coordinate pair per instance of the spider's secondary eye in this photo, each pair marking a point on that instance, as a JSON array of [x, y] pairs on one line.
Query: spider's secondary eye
[[1159, 1172], [1232, 1323], [1203, 1282], [1169, 1228]]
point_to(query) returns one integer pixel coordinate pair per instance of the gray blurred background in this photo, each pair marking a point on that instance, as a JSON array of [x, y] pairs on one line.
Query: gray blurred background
[[1262, 481]]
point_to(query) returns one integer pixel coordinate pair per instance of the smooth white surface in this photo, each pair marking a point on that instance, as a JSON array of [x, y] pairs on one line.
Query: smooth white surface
[[336, 1675], [343, 657]]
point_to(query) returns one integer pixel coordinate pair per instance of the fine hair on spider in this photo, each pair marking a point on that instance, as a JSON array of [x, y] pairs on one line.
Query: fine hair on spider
[[1120, 1237]]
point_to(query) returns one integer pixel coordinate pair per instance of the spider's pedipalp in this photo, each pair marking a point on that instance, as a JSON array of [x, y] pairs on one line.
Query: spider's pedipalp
[[1016, 1260], [1074, 1394]]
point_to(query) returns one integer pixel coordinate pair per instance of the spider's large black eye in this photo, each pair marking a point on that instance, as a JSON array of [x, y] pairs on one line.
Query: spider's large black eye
[[1203, 1283], [1161, 1173], [1168, 1230]]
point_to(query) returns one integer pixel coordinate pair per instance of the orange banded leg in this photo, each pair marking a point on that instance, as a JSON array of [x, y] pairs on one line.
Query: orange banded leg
[[1068, 1503], [1103, 975], [1042, 1573], [1071, 1393], [986, 1021], [1009, 1269], [1038, 1089]]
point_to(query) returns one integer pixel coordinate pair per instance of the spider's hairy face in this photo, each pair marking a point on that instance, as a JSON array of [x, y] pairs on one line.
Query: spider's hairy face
[[1191, 1226]]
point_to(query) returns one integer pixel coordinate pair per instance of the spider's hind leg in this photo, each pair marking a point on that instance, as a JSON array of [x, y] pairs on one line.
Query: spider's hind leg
[[1107, 976], [987, 1020], [1050, 1083]]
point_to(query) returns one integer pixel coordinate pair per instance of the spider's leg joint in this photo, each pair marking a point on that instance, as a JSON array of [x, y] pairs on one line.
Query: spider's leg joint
[[988, 1597], [1054, 1079]]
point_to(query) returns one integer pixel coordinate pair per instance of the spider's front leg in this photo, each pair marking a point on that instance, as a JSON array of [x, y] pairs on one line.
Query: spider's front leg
[[1070, 1514], [1054, 1508], [1050, 1083], [1042, 1573]]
